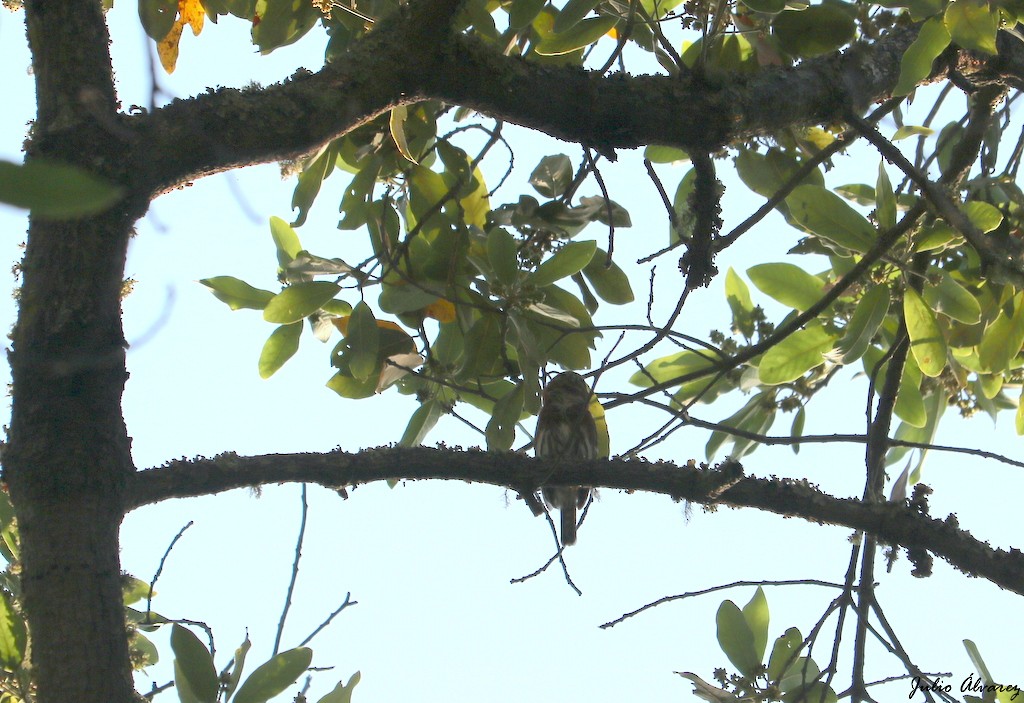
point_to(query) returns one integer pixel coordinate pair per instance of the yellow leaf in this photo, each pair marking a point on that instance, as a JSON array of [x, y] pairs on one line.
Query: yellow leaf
[[193, 14], [190, 12], [441, 310], [342, 324], [167, 49]]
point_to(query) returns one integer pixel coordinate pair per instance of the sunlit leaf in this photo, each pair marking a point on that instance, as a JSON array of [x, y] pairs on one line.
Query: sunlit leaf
[[927, 342], [784, 653], [13, 634], [916, 64], [953, 300], [1003, 338], [237, 294], [736, 639], [737, 294], [580, 35], [972, 25], [421, 422], [281, 346], [397, 125], [824, 213], [502, 254], [295, 302], [610, 282], [565, 262], [787, 283], [193, 661], [342, 694], [363, 342], [274, 676], [885, 199], [813, 31], [573, 11], [866, 319], [795, 355], [755, 612]]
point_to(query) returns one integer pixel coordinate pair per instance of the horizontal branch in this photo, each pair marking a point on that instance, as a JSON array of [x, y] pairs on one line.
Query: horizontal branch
[[727, 485], [400, 63]]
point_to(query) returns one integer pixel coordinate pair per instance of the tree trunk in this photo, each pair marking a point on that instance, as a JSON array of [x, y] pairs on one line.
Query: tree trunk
[[69, 456]]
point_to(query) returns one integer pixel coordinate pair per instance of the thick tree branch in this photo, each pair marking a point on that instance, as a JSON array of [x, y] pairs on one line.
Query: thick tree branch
[[397, 64], [890, 522]]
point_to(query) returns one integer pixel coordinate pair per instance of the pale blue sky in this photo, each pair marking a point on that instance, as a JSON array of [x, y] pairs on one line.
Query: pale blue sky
[[430, 562]]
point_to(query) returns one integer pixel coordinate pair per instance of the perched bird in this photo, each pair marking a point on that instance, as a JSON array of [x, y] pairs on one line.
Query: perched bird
[[566, 430]]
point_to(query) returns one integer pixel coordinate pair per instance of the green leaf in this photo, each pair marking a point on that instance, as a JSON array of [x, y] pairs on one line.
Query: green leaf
[[274, 676], [673, 366], [157, 17], [363, 340], [784, 654], [736, 639], [582, 34], [565, 262], [665, 154], [297, 301], [348, 387], [610, 282], [972, 25], [910, 405], [13, 634], [787, 283], [501, 429], [737, 294], [286, 240], [816, 30], [421, 422], [279, 348], [236, 293], [1003, 338], [309, 181], [916, 64], [953, 300], [552, 175], [756, 614], [1018, 421], [192, 659], [867, 318], [682, 229], [342, 694], [400, 297], [282, 22], [236, 669], [983, 215], [795, 355], [927, 343], [912, 131], [974, 654], [523, 12], [396, 123], [885, 210], [824, 213], [502, 254], [572, 13], [483, 348], [796, 431], [54, 190]]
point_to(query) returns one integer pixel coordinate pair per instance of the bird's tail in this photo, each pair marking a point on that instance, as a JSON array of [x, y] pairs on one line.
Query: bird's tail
[[568, 524]]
